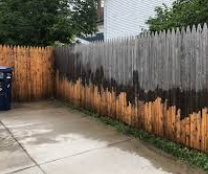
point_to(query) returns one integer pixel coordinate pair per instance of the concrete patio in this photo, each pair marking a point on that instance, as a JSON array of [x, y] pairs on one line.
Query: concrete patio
[[48, 138]]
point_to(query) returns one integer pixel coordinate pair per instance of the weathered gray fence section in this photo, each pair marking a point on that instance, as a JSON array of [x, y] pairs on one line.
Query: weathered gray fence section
[[158, 82]]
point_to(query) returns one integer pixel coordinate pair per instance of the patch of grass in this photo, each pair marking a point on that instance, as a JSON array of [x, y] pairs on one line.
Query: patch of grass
[[190, 156]]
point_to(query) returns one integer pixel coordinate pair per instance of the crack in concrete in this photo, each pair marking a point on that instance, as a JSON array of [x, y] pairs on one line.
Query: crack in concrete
[[30, 157], [47, 162], [21, 170], [87, 151]]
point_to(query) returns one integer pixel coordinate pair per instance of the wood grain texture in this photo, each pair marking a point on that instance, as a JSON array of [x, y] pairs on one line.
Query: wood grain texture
[[155, 117], [33, 76], [157, 82]]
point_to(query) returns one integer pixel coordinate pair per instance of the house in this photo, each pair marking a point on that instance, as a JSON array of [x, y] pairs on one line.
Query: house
[[99, 35], [127, 17], [91, 38], [100, 12]]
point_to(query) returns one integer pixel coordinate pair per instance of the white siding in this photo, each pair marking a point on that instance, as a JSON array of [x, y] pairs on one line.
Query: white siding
[[128, 17]]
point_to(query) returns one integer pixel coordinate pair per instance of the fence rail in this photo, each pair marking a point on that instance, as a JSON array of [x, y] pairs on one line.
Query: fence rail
[[33, 71], [157, 82]]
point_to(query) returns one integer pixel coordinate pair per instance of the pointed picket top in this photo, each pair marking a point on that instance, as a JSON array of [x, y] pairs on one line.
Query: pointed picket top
[[108, 42], [129, 38], [163, 34], [178, 32], [133, 37], [156, 34], [100, 43], [39, 50], [168, 33], [113, 40], [30, 48], [142, 35], [133, 41], [14, 48], [152, 34], [205, 33], [194, 29], [173, 31], [148, 34], [117, 40], [198, 33], [188, 32], [199, 28], [27, 49], [205, 28], [124, 39], [18, 50], [183, 30], [160, 33], [145, 35], [188, 29]]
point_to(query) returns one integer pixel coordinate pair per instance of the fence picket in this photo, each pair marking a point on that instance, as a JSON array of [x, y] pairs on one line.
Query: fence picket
[[30, 70]]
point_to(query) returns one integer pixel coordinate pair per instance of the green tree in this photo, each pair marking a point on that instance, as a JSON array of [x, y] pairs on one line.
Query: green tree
[[41, 23], [182, 13], [85, 14]]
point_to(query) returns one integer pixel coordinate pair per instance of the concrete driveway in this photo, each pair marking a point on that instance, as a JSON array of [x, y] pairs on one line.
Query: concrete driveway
[[49, 138]]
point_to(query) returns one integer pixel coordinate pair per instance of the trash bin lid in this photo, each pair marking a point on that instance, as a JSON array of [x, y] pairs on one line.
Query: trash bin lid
[[6, 69]]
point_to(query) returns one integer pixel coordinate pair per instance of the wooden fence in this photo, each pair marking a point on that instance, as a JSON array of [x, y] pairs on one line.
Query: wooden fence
[[156, 82], [33, 71]]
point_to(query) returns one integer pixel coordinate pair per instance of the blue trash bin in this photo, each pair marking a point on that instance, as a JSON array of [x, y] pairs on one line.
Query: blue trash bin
[[5, 88]]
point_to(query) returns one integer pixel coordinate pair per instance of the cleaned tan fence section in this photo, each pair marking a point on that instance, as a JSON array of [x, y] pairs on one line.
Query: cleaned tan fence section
[[33, 71]]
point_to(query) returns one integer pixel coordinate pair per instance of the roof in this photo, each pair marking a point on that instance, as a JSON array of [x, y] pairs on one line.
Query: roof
[[96, 37]]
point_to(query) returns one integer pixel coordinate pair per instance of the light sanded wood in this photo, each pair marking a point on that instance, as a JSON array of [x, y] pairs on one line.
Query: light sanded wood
[[33, 71]]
